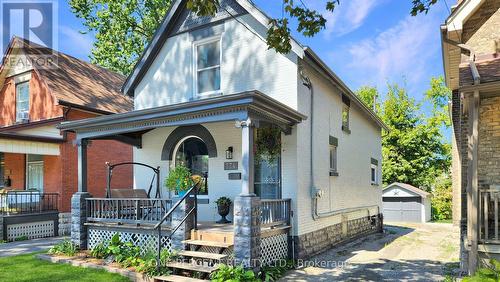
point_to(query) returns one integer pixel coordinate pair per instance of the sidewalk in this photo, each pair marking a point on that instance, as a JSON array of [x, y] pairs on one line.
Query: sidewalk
[[28, 246]]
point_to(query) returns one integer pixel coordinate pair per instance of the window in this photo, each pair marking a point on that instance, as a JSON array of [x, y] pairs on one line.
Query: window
[[2, 170], [193, 154], [22, 101], [345, 113], [374, 172], [207, 66], [333, 156]]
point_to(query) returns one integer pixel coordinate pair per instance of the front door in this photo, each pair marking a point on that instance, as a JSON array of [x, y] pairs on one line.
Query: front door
[[192, 152], [34, 173], [267, 176]]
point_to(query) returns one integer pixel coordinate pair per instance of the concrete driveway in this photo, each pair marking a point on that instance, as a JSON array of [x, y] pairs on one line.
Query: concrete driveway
[[28, 246], [404, 252]]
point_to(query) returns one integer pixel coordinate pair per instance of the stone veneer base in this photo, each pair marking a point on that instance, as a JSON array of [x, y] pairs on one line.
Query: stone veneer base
[[316, 242]]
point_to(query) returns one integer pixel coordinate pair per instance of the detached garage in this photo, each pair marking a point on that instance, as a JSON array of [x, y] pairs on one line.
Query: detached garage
[[403, 202]]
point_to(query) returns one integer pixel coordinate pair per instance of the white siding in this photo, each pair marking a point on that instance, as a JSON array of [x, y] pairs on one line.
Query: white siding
[[28, 147], [43, 131], [246, 65], [352, 188]]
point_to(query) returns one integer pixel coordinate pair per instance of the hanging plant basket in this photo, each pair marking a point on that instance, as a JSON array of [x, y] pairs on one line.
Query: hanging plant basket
[[268, 143]]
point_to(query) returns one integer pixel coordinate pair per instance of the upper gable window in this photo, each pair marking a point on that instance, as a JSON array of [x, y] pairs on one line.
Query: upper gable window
[[207, 66], [22, 101]]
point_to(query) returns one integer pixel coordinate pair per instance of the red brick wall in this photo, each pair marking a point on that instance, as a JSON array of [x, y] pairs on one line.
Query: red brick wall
[[99, 152], [42, 104], [15, 169]]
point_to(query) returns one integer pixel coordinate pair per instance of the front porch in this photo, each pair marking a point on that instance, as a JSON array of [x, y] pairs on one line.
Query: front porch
[[261, 228]]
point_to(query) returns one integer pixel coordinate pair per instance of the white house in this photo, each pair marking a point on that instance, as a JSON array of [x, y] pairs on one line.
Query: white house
[[208, 87]]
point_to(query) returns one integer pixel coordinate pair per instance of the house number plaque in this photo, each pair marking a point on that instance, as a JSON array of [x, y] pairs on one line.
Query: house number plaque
[[234, 176], [230, 165]]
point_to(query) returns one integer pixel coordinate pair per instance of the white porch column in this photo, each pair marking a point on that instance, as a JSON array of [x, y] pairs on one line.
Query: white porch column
[[247, 157], [247, 208]]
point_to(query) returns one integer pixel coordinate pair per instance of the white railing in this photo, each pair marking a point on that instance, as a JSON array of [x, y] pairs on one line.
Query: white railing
[[489, 214], [276, 212]]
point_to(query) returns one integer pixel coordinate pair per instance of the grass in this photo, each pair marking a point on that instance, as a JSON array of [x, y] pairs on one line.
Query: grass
[[29, 268]]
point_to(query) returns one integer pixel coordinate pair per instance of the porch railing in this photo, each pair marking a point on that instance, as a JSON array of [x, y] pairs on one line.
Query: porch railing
[[275, 212], [27, 202], [489, 215], [127, 210]]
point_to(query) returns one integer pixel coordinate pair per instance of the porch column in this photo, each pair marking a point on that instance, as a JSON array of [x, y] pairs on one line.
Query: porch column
[[247, 207], [472, 181], [78, 200]]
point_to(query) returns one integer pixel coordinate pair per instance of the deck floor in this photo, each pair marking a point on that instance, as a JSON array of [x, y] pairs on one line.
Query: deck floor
[[215, 227]]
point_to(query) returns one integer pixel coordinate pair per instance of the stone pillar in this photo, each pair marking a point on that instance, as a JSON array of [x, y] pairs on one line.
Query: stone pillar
[[247, 239], [78, 219], [184, 231]]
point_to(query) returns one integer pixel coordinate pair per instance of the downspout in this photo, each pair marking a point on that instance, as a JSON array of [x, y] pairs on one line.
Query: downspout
[[472, 57], [315, 192]]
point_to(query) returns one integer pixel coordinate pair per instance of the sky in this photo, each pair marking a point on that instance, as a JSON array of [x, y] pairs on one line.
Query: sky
[[366, 42]]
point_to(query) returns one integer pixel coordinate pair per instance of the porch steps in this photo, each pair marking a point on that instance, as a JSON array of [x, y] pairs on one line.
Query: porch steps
[[213, 235], [192, 267], [176, 278], [208, 243], [202, 255]]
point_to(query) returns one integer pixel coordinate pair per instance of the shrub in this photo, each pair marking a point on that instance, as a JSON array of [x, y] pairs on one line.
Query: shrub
[[99, 251], [486, 274], [233, 274], [149, 264], [441, 201], [275, 272], [66, 247]]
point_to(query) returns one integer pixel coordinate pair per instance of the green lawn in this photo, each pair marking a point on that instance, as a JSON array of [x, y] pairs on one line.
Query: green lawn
[[29, 268]]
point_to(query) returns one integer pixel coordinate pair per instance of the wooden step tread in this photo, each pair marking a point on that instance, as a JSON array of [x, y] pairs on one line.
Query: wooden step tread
[[195, 254], [192, 267], [176, 278], [208, 243]]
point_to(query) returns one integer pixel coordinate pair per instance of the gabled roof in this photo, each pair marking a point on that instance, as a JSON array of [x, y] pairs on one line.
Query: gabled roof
[[75, 82], [409, 188], [161, 35]]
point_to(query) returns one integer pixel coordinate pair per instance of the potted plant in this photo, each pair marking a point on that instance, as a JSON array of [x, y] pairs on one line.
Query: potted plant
[[223, 207], [179, 179]]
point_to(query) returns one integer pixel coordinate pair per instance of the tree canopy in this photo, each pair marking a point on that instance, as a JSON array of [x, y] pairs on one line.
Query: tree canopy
[[124, 27], [414, 149]]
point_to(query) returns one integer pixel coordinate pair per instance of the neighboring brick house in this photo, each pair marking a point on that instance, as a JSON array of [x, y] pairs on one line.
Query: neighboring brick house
[[35, 98], [471, 53]]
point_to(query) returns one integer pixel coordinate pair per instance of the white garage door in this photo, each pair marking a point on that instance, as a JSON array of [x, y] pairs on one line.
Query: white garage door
[[402, 209]]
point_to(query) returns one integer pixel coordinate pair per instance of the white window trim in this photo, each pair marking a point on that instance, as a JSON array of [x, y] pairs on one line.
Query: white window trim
[[18, 100], [203, 41], [375, 167], [335, 168]]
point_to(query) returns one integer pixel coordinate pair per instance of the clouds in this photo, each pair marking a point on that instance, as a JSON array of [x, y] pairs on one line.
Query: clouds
[[73, 42], [348, 16], [409, 49]]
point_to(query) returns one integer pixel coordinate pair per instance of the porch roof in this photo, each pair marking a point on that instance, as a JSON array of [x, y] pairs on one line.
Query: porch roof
[[128, 127]]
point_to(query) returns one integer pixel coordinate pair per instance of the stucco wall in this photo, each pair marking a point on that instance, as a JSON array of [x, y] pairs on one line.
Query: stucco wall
[[246, 65]]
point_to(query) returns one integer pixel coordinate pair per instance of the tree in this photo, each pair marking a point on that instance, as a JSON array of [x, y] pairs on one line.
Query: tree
[[368, 96], [413, 150], [124, 27]]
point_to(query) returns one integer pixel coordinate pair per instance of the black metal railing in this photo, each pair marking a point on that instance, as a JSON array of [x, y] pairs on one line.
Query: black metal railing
[[191, 193], [489, 215], [28, 202], [127, 210], [275, 212]]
